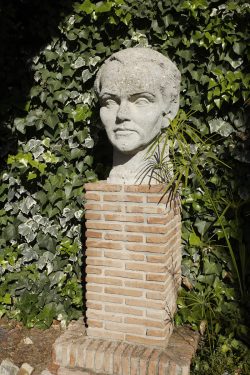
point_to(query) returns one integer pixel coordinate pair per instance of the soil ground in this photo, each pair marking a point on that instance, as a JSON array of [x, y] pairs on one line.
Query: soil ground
[[36, 352]]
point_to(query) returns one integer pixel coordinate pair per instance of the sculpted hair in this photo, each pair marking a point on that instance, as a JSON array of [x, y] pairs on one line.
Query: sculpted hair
[[168, 82]]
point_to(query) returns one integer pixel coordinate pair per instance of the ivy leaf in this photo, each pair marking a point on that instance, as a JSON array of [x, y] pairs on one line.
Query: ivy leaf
[[86, 75], [81, 113], [194, 240], [86, 7], [79, 63], [202, 226], [221, 127]]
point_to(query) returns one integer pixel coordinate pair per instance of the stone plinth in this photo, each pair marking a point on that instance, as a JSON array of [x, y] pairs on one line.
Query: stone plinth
[[74, 353], [133, 263]]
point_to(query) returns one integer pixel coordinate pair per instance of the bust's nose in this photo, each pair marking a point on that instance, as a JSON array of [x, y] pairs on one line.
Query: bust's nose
[[123, 112]]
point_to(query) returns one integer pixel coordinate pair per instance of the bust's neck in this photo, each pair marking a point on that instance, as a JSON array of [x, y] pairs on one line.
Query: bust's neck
[[131, 169]]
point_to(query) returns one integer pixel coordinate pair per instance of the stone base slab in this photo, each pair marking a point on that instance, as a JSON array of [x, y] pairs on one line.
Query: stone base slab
[[77, 354]]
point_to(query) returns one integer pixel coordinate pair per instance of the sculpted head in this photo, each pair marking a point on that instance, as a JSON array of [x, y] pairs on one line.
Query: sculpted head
[[138, 89]]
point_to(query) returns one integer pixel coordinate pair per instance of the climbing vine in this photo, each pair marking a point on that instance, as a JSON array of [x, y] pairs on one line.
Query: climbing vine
[[53, 144]]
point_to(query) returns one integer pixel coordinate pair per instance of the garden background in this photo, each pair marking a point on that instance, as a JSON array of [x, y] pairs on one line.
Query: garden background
[[52, 142]]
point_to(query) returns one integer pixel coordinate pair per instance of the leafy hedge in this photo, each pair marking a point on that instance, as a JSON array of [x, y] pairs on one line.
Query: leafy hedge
[[61, 145]]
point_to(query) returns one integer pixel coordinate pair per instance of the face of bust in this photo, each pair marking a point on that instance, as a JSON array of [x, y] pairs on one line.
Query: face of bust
[[131, 105]]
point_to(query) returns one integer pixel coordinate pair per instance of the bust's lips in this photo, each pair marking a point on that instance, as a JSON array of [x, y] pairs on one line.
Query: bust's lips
[[124, 131]]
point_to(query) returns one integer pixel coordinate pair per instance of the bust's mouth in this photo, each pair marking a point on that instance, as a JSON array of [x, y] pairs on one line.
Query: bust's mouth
[[124, 131]]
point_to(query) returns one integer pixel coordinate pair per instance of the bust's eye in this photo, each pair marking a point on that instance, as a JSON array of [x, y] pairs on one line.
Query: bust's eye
[[141, 101], [108, 102]]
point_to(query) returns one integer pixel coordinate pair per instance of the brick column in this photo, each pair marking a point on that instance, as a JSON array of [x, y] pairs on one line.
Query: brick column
[[133, 263]]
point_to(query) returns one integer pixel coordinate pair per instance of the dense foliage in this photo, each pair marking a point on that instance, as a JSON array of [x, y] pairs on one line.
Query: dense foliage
[[53, 144]]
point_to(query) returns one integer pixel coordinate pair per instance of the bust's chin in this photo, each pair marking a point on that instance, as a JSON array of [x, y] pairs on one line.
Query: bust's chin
[[127, 148]]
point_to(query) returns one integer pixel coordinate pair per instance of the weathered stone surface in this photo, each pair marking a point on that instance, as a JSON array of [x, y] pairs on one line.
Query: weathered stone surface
[[27, 341], [46, 372], [25, 369], [139, 94], [77, 354], [7, 367]]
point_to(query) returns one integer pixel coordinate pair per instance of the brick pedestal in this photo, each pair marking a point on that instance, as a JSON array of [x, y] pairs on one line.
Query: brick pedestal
[[74, 353], [133, 263], [133, 272]]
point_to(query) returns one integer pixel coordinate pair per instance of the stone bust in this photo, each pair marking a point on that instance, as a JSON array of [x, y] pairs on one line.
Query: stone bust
[[138, 89]]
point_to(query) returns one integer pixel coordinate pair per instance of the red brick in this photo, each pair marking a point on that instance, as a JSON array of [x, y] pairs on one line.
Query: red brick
[[124, 274], [99, 333], [144, 359], [123, 310], [102, 316], [94, 253], [92, 206], [104, 244], [147, 248], [155, 314], [104, 297], [144, 228], [123, 291], [103, 280], [156, 277], [157, 239], [94, 306], [115, 236], [133, 198], [145, 340], [156, 332], [172, 370], [124, 218], [144, 285], [135, 360], [90, 354], [134, 238], [94, 288], [159, 188], [153, 363], [146, 209], [117, 358], [158, 198], [144, 303], [156, 296], [92, 196], [123, 237], [109, 353], [104, 262], [161, 258], [93, 234], [101, 356], [144, 322], [92, 216], [95, 323], [102, 186], [125, 360], [138, 266], [112, 197], [111, 326], [112, 207], [103, 226], [157, 220], [123, 255], [72, 359], [93, 270]]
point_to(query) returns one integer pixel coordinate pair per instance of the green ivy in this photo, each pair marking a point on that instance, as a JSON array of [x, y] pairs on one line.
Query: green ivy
[[60, 147]]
